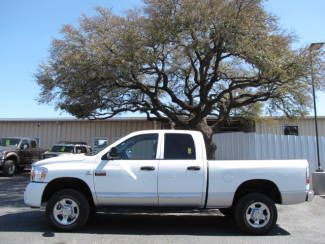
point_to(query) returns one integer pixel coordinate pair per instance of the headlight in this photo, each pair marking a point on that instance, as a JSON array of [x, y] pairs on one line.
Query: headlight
[[38, 174]]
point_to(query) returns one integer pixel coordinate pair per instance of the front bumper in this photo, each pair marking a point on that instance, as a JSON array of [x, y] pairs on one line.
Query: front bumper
[[33, 194], [310, 196]]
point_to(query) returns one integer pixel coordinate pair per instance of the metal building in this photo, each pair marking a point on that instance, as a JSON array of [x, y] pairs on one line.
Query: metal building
[[282, 126], [51, 131]]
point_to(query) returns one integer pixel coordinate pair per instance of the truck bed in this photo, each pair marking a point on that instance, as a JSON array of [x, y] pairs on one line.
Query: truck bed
[[225, 176]]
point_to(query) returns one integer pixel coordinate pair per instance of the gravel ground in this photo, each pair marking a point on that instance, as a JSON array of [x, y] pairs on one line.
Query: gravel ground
[[300, 223]]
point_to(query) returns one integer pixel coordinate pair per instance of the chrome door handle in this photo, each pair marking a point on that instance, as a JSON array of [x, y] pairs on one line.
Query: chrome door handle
[[147, 168], [193, 168]]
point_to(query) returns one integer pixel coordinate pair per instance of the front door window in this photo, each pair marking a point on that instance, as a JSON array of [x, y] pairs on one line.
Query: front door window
[[141, 147]]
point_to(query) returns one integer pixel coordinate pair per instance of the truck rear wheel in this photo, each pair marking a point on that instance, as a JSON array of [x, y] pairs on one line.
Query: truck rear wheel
[[255, 214], [68, 210], [9, 168]]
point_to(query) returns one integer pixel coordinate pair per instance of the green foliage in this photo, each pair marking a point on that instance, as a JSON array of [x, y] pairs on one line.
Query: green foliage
[[181, 60]]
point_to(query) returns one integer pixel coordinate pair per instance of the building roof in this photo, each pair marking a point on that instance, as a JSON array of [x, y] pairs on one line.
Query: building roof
[[68, 119]]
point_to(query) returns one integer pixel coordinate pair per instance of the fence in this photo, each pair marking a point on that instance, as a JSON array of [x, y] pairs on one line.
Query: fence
[[241, 146]]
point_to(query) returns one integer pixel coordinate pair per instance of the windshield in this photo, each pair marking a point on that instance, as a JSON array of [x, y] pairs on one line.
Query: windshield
[[7, 142], [62, 148]]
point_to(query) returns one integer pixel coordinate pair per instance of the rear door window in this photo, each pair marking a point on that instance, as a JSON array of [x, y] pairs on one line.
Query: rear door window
[[80, 149], [179, 146]]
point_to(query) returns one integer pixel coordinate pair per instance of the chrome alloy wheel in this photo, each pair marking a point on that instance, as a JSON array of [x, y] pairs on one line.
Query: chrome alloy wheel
[[66, 211], [258, 214]]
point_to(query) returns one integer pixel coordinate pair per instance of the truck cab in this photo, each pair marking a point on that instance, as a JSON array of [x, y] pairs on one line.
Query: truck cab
[[154, 169]]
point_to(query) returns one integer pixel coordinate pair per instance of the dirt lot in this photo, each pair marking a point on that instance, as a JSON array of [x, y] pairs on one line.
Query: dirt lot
[[19, 224]]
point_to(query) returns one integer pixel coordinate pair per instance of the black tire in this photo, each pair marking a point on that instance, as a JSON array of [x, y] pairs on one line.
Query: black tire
[[9, 168], [93, 210], [92, 215], [227, 212], [264, 207], [73, 196]]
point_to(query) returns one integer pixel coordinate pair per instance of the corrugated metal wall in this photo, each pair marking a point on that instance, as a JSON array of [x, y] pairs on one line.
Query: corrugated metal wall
[[51, 131], [306, 126], [251, 146]]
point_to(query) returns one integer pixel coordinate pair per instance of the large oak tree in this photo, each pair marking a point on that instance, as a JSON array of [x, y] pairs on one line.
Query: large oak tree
[[180, 61]]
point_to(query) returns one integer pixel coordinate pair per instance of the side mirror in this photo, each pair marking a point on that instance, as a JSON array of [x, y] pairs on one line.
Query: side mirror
[[112, 154], [24, 146]]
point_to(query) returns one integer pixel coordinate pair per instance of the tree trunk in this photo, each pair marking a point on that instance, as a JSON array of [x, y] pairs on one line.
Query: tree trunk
[[207, 134]]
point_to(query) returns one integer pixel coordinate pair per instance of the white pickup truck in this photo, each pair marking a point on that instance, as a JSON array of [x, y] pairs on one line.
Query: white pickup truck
[[165, 169]]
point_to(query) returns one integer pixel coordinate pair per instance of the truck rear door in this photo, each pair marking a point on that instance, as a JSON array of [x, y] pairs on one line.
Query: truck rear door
[[181, 174]]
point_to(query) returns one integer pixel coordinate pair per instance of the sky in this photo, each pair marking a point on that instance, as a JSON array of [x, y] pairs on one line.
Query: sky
[[28, 26]]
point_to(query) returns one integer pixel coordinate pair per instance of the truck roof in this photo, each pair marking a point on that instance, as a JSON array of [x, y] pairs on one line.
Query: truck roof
[[191, 132], [168, 131], [17, 137], [70, 144]]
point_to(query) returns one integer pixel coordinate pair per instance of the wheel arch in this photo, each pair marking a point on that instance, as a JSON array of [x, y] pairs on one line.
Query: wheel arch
[[67, 183], [12, 156], [264, 186]]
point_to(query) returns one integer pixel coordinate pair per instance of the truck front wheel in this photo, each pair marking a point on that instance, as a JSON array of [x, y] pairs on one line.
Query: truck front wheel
[[9, 168], [255, 214], [68, 210]]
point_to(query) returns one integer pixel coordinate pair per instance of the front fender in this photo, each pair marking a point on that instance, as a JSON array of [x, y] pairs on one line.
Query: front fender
[[13, 155]]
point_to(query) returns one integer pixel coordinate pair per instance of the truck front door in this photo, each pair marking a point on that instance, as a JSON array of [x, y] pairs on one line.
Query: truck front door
[[131, 178], [181, 174]]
